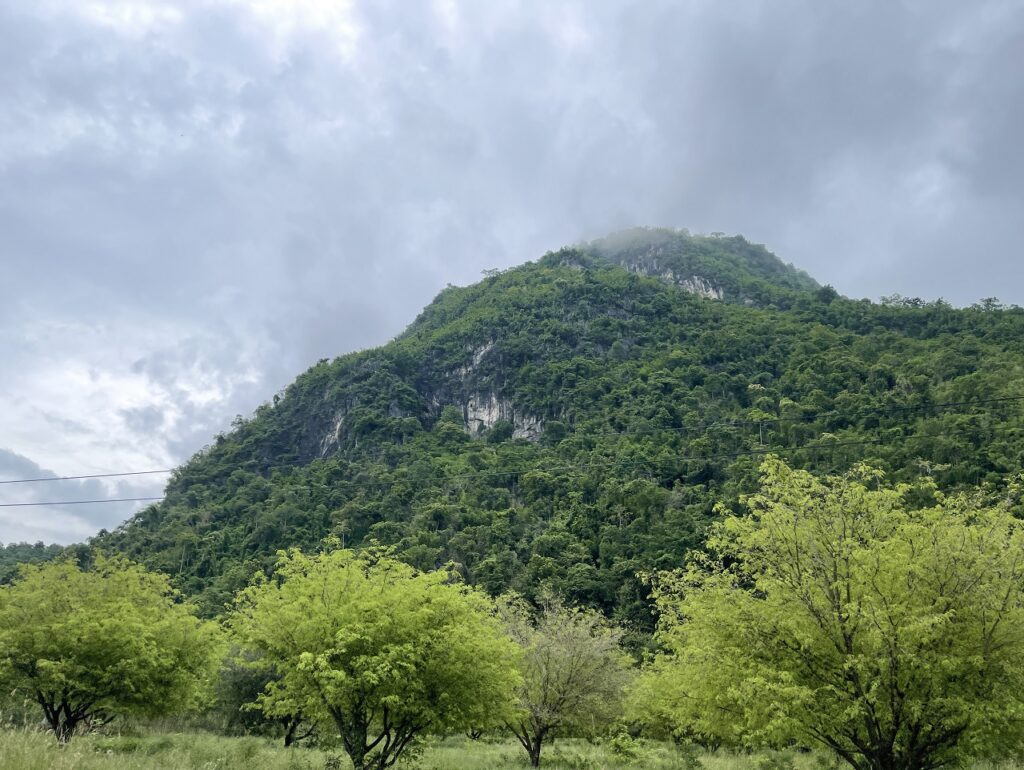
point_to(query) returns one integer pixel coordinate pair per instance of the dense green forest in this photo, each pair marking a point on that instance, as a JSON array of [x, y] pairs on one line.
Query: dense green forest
[[13, 555], [570, 423]]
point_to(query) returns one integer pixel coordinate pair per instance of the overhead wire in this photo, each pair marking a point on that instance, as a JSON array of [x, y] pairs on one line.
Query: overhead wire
[[85, 476], [83, 502]]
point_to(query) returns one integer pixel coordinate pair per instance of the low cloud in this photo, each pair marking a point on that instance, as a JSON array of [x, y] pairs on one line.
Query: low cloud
[[35, 521]]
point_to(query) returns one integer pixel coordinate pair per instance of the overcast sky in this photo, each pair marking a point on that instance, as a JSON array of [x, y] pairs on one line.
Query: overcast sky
[[198, 199]]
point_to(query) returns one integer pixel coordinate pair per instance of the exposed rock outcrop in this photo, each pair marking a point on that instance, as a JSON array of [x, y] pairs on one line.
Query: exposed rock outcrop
[[483, 408], [484, 411], [695, 284]]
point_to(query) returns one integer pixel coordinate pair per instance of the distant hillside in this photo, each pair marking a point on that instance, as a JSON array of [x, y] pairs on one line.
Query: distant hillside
[[574, 421], [13, 555]]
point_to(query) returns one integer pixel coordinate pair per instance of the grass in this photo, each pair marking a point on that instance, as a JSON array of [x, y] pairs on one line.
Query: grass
[[29, 750]]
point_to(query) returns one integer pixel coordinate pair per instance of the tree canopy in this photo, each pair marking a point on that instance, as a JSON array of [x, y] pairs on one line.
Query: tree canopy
[[88, 646], [573, 672], [885, 623], [13, 555], [377, 650]]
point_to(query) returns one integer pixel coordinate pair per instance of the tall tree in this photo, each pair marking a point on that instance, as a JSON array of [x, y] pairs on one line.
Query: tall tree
[[88, 646], [376, 649], [840, 614], [574, 672]]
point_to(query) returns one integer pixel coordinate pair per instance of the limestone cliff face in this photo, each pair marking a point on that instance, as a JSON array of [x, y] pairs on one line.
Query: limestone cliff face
[[694, 284], [483, 407], [650, 266], [715, 266], [483, 411], [475, 391], [471, 388], [332, 438]]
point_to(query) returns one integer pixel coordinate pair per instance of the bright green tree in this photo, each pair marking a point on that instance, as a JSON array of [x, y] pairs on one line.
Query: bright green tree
[[574, 673], [376, 649], [88, 646], [838, 614]]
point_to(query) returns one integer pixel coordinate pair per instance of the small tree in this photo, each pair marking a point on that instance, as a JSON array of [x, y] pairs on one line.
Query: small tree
[[377, 649], [573, 672], [836, 614], [242, 681], [91, 645]]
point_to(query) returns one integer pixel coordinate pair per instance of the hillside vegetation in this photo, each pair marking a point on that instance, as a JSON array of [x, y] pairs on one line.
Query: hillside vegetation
[[565, 425]]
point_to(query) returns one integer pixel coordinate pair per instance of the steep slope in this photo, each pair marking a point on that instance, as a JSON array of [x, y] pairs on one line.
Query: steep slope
[[572, 422]]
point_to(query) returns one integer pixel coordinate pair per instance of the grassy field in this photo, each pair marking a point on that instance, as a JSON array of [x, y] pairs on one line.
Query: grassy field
[[25, 750]]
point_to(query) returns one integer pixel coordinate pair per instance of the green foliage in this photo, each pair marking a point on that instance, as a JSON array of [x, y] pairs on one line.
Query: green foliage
[[13, 555], [775, 761], [633, 450], [883, 623], [376, 649], [573, 673], [743, 271], [89, 646], [622, 744], [243, 678]]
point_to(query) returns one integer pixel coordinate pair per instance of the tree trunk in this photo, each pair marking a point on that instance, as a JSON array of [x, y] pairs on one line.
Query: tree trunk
[[357, 753], [535, 751], [529, 739], [60, 717], [353, 738], [289, 732], [64, 729]]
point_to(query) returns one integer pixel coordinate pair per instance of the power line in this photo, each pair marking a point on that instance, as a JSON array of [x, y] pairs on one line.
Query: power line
[[84, 502], [586, 434], [85, 476]]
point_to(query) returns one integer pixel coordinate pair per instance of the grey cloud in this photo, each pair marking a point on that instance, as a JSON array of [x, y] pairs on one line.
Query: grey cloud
[[58, 422], [144, 420], [62, 523], [211, 204]]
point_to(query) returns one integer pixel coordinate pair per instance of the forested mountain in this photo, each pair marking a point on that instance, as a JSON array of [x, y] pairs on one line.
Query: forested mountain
[[13, 555], [574, 421]]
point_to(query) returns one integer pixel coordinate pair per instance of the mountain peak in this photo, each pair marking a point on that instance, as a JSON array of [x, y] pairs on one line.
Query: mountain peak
[[714, 266]]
